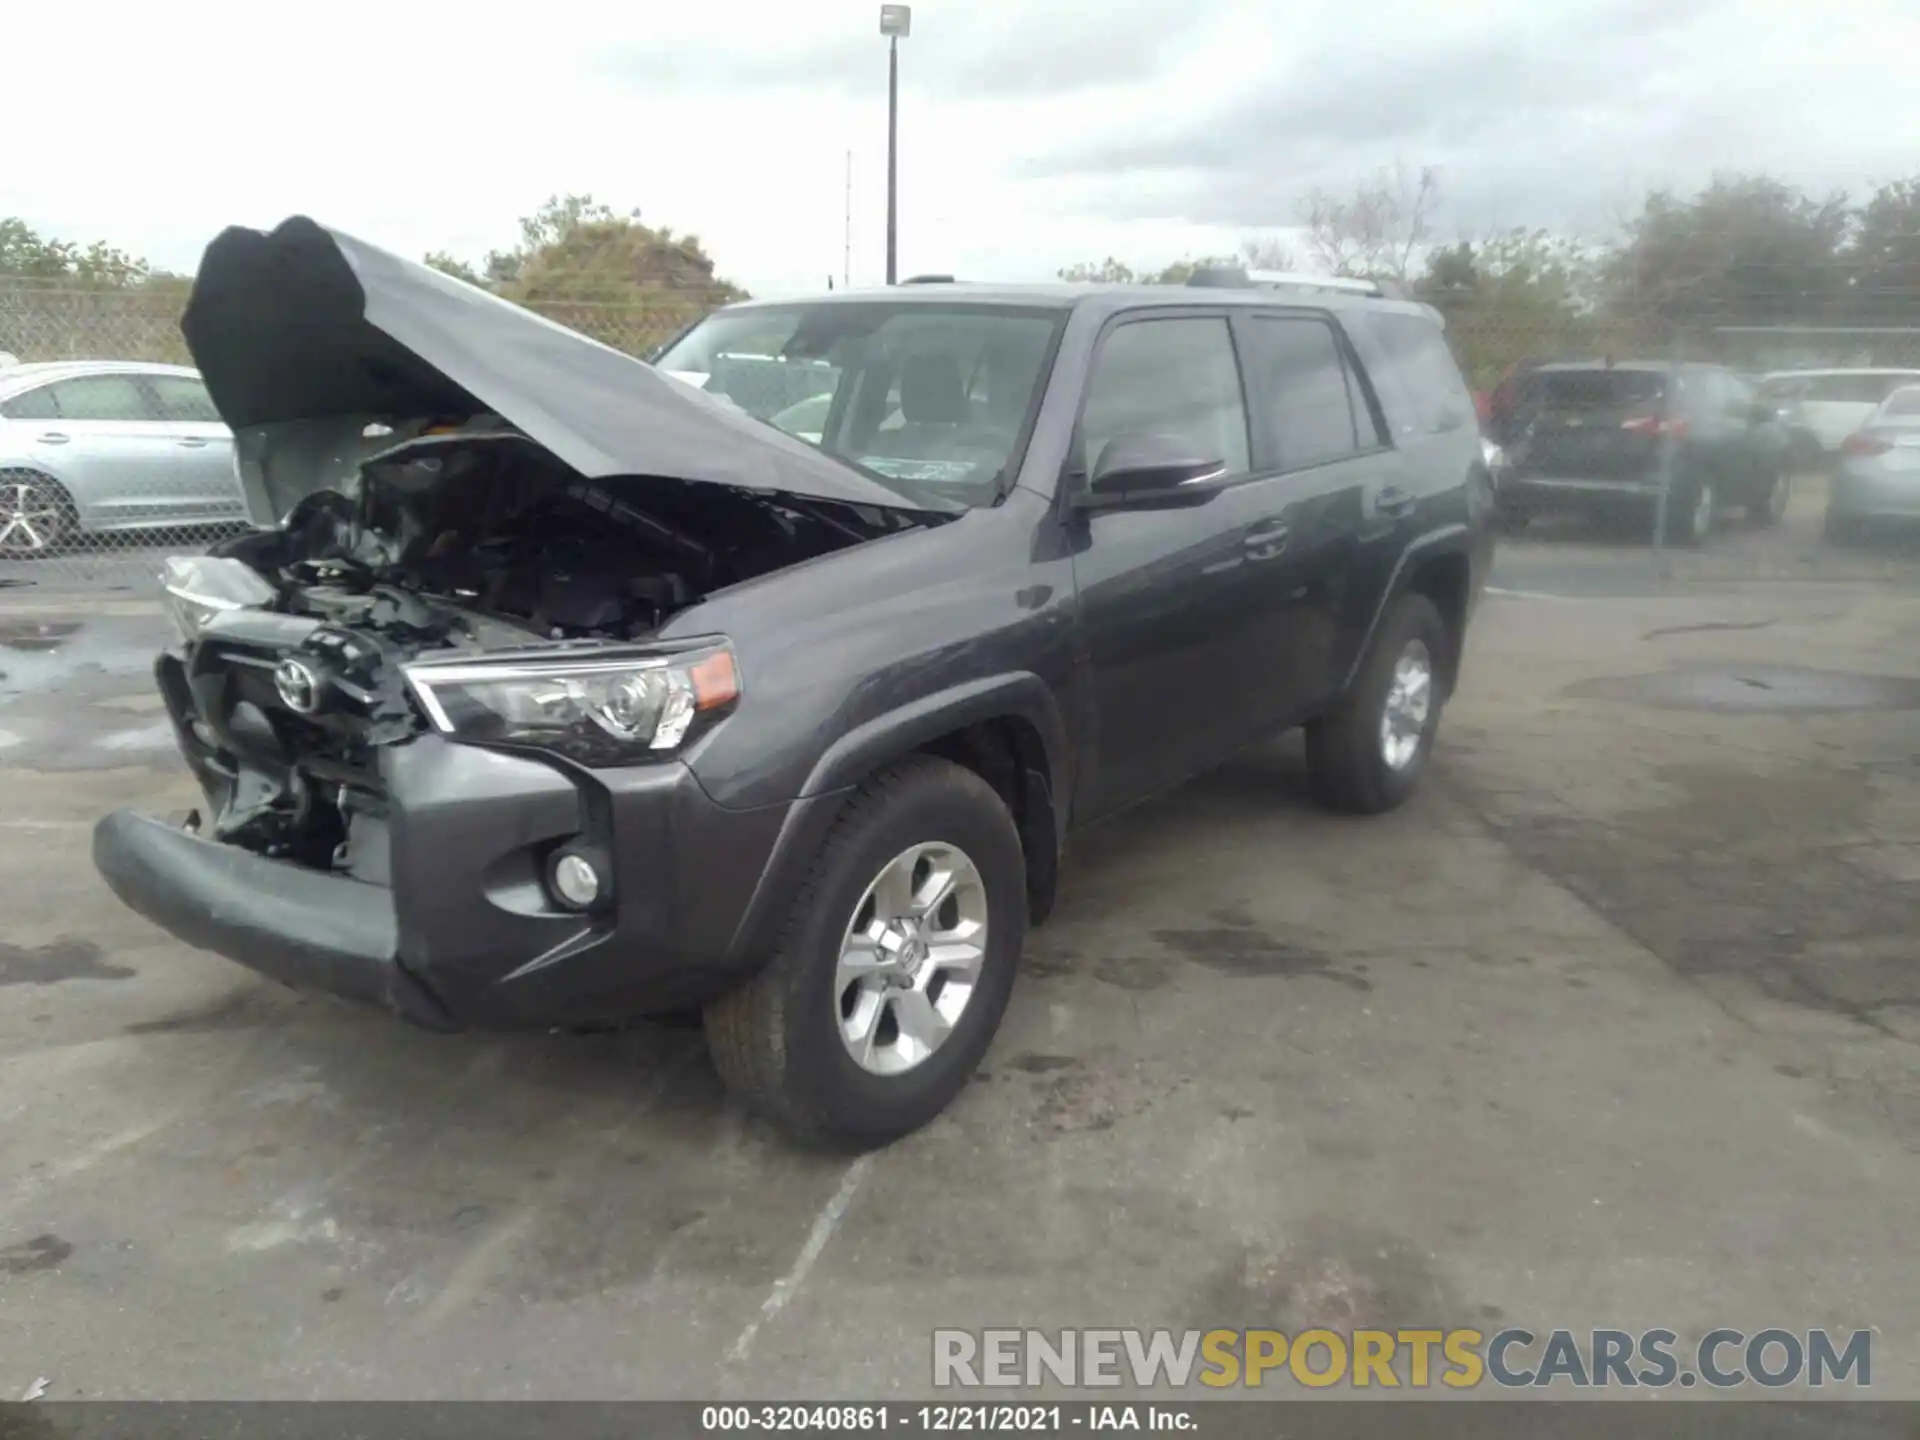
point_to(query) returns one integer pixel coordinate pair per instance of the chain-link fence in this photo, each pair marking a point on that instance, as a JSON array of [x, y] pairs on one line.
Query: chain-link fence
[[1638, 420], [111, 453]]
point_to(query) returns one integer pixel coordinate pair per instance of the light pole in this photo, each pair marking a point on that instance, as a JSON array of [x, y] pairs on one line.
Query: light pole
[[896, 21]]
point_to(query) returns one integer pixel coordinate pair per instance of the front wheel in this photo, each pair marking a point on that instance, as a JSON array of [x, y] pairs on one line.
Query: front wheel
[[1366, 754], [895, 965]]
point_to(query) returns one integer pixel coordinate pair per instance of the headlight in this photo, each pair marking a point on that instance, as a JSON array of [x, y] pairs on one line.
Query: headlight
[[199, 587], [608, 708]]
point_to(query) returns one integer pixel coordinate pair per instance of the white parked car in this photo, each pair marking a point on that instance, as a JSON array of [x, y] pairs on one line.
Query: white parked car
[[1831, 404], [1878, 482], [90, 445]]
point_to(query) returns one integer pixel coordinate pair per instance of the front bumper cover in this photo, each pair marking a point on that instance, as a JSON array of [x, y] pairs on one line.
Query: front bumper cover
[[306, 929], [456, 929]]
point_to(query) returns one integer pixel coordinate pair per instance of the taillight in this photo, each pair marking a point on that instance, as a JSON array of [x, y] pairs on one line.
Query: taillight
[[1654, 425], [1860, 446]]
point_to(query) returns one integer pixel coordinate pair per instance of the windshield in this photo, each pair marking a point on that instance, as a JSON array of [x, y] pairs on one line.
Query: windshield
[[937, 396]]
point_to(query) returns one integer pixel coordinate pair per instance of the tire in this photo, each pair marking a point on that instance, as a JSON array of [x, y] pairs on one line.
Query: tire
[[1770, 509], [37, 517], [1348, 757], [1841, 529], [778, 1040], [1690, 522]]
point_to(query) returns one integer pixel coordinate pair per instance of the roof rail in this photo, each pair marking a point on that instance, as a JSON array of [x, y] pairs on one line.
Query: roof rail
[[928, 280], [1234, 277]]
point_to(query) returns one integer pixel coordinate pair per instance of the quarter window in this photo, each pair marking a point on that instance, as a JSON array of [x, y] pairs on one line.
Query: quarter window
[[182, 399], [35, 404], [1417, 375]]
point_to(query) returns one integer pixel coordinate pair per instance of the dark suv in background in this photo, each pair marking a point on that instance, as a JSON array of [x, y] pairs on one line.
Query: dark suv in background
[[560, 689], [1603, 438]]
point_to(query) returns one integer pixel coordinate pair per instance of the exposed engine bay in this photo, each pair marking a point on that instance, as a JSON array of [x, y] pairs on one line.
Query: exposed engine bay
[[487, 524], [473, 540]]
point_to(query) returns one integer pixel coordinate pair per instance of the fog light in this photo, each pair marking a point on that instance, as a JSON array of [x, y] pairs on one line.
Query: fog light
[[576, 881]]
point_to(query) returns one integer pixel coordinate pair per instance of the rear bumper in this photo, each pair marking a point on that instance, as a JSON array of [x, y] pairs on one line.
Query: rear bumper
[[1551, 492], [1873, 497], [454, 928]]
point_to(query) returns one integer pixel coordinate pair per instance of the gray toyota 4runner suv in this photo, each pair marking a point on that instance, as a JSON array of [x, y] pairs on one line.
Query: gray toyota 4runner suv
[[559, 689]]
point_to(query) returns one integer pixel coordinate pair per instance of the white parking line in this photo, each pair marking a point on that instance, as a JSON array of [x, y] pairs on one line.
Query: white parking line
[[1525, 594], [788, 1285]]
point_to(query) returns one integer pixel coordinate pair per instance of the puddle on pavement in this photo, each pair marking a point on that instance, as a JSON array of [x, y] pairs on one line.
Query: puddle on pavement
[[37, 636], [45, 656], [1755, 689]]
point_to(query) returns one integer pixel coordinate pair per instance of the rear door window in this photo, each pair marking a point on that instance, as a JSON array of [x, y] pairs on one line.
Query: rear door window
[[1301, 391]]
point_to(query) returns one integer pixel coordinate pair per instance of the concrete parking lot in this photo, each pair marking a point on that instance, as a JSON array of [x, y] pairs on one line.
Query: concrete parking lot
[[1614, 1025]]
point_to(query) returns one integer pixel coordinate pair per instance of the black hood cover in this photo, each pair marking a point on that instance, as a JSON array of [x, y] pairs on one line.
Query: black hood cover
[[302, 325]]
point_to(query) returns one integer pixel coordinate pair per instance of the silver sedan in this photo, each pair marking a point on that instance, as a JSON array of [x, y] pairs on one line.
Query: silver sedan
[[95, 445], [1879, 474]]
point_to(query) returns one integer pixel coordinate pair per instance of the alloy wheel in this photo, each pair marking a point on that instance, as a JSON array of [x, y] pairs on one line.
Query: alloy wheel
[[1700, 516], [1403, 719], [32, 519], [1779, 496], [911, 957]]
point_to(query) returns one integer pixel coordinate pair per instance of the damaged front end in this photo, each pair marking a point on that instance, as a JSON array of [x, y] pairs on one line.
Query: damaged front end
[[464, 583], [437, 701]]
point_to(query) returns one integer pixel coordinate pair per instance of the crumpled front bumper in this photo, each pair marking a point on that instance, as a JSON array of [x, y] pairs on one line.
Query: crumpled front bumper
[[452, 926], [310, 930]]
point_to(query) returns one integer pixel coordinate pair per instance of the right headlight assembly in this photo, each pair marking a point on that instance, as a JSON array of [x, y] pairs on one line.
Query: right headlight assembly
[[605, 708]]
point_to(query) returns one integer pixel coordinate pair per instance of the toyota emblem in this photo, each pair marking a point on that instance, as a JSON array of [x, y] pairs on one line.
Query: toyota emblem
[[299, 687]]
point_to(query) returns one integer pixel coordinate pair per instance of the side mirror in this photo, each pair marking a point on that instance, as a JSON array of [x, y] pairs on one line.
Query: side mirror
[[1765, 412], [1145, 470]]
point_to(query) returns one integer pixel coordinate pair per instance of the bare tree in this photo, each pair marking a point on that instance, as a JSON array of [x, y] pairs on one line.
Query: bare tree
[[1381, 230], [1264, 252]]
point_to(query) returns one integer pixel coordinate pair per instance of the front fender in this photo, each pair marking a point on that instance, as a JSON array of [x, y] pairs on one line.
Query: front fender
[[1021, 694], [886, 738]]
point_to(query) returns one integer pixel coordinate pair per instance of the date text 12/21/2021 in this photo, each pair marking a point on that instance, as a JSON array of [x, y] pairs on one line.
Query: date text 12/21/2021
[[943, 1419]]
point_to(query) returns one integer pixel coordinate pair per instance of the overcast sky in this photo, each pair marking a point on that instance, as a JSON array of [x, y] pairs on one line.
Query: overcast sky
[[1031, 135]]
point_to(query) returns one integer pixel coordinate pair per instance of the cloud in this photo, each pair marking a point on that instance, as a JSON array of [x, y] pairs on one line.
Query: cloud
[[961, 54], [1534, 115], [1031, 135]]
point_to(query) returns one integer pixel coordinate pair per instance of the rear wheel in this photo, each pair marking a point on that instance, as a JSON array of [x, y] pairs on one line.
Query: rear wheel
[[36, 516], [1367, 754], [895, 965], [1771, 508], [1690, 519], [1842, 529]]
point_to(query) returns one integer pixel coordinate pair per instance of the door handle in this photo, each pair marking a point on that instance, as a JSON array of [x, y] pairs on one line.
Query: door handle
[[192, 442], [1267, 539], [1393, 500], [52, 437]]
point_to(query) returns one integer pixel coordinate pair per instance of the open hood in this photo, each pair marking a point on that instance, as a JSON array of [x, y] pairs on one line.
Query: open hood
[[306, 336]]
